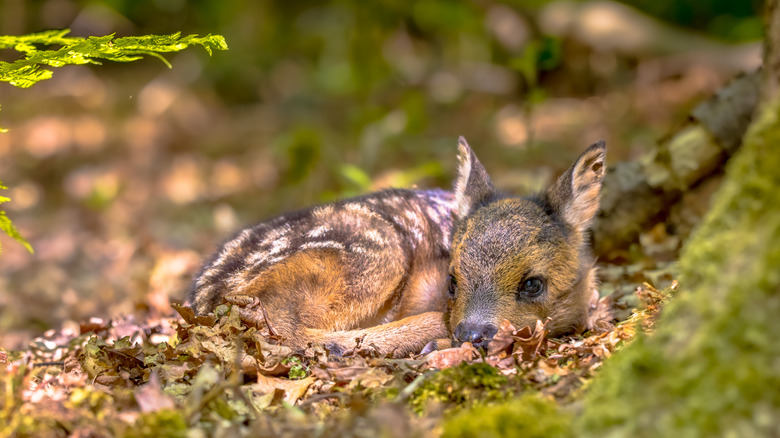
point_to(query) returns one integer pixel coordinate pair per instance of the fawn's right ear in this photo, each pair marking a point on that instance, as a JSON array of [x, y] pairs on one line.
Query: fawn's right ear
[[473, 186]]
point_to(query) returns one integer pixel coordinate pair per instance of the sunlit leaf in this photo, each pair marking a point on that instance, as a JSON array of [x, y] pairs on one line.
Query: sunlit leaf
[[28, 71]]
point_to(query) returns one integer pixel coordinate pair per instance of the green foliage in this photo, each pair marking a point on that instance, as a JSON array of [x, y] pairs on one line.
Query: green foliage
[[707, 369], [26, 72], [528, 416], [462, 385], [165, 422], [298, 369], [8, 227]]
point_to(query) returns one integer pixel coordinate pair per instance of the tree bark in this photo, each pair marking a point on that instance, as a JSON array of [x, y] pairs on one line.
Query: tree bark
[[771, 69], [711, 367], [641, 193]]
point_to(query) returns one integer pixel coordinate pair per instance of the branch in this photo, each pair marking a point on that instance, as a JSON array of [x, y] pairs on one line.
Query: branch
[[26, 72]]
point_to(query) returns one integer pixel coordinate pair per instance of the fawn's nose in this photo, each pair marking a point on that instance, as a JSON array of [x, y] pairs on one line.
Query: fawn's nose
[[478, 334]]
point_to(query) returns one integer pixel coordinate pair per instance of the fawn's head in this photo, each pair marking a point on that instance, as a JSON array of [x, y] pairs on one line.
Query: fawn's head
[[522, 259]]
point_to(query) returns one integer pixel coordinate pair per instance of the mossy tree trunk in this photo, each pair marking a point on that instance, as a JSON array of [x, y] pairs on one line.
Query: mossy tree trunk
[[713, 366]]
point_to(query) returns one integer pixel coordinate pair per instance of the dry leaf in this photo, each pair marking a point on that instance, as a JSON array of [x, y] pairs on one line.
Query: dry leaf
[[292, 389], [503, 339], [451, 357], [151, 398], [531, 341]]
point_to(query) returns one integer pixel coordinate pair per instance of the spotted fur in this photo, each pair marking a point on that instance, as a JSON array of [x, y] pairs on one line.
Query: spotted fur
[[327, 271], [374, 269]]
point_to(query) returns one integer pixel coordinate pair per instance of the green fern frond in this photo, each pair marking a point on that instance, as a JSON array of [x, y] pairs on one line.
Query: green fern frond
[[9, 228], [26, 72]]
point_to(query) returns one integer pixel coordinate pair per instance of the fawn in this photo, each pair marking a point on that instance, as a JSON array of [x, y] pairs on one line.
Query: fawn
[[396, 269]]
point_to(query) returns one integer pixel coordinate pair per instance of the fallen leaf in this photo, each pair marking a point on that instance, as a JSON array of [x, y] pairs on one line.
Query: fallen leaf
[[450, 357], [292, 389], [503, 339], [151, 398], [371, 378], [529, 341]]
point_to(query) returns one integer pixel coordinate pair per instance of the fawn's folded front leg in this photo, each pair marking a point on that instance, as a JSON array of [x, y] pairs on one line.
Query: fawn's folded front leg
[[398, 338]]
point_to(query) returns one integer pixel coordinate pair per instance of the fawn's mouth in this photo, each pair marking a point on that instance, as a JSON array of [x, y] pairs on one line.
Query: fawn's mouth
[[479, 335]]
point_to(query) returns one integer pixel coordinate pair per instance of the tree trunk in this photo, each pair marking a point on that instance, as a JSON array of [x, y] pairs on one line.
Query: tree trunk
[[712, 367], [642, 193]]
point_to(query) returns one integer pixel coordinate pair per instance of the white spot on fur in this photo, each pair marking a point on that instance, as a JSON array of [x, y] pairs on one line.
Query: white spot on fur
[[415, 225], [231, 246], [357, 208], [413, 217], [276, 234], [375, 236], [326, 244], [323, 212], [319, 231], [432, 212], [392, 200], [279, 246], [257, 258]]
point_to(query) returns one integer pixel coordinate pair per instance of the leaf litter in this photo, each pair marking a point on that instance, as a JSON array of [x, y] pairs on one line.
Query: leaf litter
[[219, 374]]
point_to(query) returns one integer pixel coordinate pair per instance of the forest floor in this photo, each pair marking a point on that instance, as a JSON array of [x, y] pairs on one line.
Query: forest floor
[[193, 375], [122, 180]]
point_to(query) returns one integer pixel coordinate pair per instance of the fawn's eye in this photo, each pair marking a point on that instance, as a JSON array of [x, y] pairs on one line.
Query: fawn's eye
[[532, 287], [452, 285]]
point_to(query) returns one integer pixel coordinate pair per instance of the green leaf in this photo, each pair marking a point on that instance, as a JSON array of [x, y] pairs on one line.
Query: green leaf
[[26, 72], [9, 228], [356, 176]]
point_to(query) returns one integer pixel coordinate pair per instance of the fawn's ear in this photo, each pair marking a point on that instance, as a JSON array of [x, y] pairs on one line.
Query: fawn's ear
[[575, 196], [473, 186]]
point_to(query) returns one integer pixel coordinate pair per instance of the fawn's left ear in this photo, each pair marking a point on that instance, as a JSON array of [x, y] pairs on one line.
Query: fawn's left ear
[[473, 186], [575, 196]]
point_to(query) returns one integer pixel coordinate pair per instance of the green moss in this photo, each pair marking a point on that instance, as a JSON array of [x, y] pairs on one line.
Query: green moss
[[461, 386], [712, 367], [528, 416], [162, 423]]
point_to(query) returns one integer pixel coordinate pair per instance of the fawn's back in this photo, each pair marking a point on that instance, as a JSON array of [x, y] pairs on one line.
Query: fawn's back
[[398, 268]]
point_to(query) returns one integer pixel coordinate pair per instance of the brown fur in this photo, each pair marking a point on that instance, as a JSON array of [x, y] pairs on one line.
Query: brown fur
[[502, 241], [373, 270]]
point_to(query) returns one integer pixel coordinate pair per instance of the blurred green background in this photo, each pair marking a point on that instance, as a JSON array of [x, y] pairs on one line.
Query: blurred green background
[[124, 176]]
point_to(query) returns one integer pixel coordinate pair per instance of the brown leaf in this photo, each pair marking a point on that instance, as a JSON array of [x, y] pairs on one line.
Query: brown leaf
[[529, 341], [189, 316], [451, 357], [151, 398], [600, 314], [93, 325], [293, 389], [502, 363], [371, 378], [342, 371], [174, 370], [251, 367], [503, 339], [109, 380]]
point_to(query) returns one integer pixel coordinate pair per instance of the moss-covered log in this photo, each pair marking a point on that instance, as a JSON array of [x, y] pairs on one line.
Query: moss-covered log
[[713, 366], [639, 194]]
